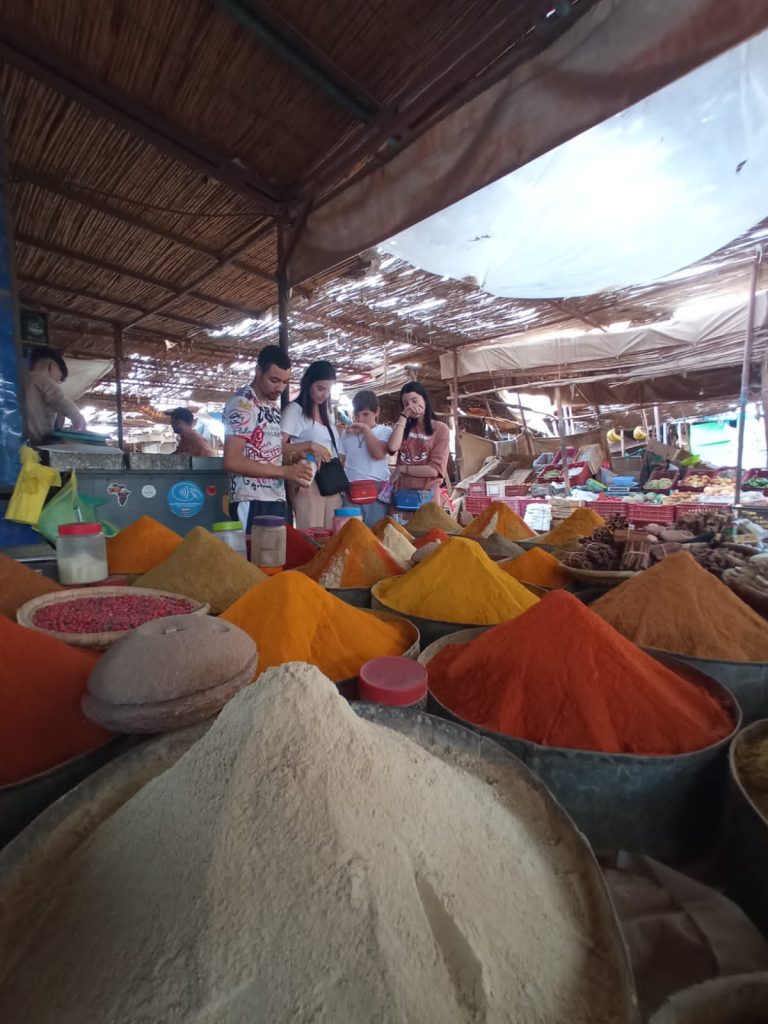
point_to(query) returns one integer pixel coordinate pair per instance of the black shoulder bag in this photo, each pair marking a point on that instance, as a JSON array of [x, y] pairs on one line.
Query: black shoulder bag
[[331, 478]]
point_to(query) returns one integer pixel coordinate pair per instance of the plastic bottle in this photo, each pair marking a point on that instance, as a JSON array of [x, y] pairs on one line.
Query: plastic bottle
[[311, 461]]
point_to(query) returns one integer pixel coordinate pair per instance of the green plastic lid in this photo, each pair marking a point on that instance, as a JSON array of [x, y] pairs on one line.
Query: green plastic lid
[[228, 525]]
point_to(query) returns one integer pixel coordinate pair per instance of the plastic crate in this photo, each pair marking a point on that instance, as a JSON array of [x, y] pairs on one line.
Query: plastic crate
[[648, 513], [607, 507], [753, 474], [684, 507], [517, 490], [478, 488], [662, 474], [475, 504], [693, 472], [578, 474]]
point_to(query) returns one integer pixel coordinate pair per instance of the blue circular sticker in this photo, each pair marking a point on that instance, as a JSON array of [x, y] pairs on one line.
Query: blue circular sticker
[[185, 499]]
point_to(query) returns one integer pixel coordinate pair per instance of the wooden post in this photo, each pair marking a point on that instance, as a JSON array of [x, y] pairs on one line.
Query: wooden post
[[745, 367], [283, 291], [563, 447], [764, 397], [657, 422], [117, 336], [455, 413]]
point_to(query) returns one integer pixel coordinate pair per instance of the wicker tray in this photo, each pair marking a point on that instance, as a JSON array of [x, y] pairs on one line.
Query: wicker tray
[[94, 641], [599, 577]]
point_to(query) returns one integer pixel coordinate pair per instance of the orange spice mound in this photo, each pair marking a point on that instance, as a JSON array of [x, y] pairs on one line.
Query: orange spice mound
[[538, 567], [580, 523], [141, 546], [354, 557], [19, 584], [380, 527], [41, 683], [498, 518], [435, 536]]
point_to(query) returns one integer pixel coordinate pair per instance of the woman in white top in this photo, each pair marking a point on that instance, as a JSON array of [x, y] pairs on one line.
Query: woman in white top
[[309, 418]]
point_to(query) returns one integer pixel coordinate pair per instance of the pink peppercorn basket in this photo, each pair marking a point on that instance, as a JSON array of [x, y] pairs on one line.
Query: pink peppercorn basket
[[94, 641]]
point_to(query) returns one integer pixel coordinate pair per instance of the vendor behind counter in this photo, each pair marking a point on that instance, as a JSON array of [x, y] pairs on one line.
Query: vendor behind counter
[[190, 441], [47, 406]]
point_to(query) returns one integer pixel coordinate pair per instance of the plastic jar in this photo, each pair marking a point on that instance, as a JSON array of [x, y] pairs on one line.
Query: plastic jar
[[81, 554], [232, 534], [268, 541], [396, 682], [342, 516]]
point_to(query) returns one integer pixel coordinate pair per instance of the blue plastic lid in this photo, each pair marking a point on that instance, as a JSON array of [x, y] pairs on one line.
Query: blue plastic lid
[[348, 510], [268, 521], [310, 458]]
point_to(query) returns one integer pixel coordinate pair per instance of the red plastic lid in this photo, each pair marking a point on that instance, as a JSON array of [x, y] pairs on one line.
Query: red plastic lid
[[79, 529], [393, 681]]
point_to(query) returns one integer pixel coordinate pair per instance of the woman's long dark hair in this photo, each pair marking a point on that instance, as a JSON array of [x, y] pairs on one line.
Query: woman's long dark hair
[[321, 370], [413, 387]]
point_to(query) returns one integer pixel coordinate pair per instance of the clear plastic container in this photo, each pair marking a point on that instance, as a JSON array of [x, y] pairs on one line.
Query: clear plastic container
[[232, 534], [342, 516], [268, 542], [81, 554]]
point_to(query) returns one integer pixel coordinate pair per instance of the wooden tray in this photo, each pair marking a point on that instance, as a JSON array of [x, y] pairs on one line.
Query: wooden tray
[[94, 641], [599, 577]]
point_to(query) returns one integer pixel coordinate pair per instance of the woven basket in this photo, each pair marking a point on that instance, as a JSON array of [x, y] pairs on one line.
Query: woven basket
[[94, 641]]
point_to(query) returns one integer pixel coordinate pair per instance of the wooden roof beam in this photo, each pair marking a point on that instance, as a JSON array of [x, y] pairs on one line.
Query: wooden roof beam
[[87, 199], [22, 51], [75, 314]]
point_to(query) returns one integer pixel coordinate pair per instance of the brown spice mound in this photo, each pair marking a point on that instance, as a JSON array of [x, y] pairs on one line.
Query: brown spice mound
[[19, 584], [679, 607], [499, 518], [380, 527], [430, 516], [204, 568]]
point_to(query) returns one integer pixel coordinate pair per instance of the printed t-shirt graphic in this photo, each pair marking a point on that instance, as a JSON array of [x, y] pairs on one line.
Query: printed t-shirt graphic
[[259, 424]]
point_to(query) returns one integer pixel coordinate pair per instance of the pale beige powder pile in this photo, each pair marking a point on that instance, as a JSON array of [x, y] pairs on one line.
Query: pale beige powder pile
[[398, 546], [301, 865]]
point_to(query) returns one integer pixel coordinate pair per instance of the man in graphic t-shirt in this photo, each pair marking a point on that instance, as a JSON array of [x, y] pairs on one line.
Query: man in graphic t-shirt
[[253, 450]]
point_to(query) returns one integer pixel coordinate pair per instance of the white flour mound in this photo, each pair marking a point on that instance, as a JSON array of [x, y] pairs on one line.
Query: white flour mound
[[301, 865], [398, 546]]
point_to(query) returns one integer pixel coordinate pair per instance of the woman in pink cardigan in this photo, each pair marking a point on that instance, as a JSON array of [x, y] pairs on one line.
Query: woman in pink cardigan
[[421, 443]]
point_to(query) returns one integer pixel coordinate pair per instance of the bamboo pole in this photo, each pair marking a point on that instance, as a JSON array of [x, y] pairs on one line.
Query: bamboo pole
[[764, 398], [563, 446], [455, 413], [117, 335], [745, 367]]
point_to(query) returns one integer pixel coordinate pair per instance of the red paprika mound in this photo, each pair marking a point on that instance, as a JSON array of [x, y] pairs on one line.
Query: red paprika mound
[[41, 683], [435, 535], [560, 676]]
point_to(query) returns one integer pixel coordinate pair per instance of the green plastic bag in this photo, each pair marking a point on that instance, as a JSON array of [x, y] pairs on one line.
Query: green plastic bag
[[69, 506]]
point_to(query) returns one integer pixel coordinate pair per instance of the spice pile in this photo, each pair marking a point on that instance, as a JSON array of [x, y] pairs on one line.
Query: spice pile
[[140, 547], [430, 516], [679, 607], [19, 584], [206, 569], [456, 583], [298, 550], [108, 614], [401, 549], [498, 518], [291, 850], [580, 523], [433, 536], [538, 567], [751, 756], [498, 547], [292, 618], [560, 676], [41, 683], [380, 527], [352, 558]]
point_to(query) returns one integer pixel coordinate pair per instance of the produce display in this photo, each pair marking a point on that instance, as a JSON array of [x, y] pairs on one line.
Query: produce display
[[140, 547], [574, 682], [501, 519], [107, 614], [354, 557], [41, 683], [698, 479], [456, 583], [677, 606], [292, 618], [757, 483], [272, 872], [662, 483], [205, 569]]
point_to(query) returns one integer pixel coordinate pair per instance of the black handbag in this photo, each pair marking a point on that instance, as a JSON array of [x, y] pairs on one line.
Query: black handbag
[[331, 478]]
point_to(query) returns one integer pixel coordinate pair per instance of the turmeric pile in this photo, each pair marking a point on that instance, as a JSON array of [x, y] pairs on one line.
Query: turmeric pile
[[19, 584], [538, 567], [429, 516], [140, 547], [457, 582], [41, 722], [292, 618], [498, 518], [679, 607], [580, 523], [380, 527], [352, 558], [205, 569]]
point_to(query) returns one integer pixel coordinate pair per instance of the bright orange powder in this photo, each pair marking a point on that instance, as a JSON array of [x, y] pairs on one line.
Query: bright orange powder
[[41, 683], [560, 676], [498, 518], [538, 567], [141, 546], [353, 558]]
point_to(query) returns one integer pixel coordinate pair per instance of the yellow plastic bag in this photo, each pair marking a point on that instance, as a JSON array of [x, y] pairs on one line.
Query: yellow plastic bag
[[32, 486]]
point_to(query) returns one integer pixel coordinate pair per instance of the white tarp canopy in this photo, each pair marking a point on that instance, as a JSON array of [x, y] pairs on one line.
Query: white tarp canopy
[[614, 55], [652, 189], [631, 355], [83, 374]]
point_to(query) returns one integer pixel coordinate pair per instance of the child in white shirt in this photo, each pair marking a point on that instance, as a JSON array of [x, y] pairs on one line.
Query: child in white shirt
[[364, 444]]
